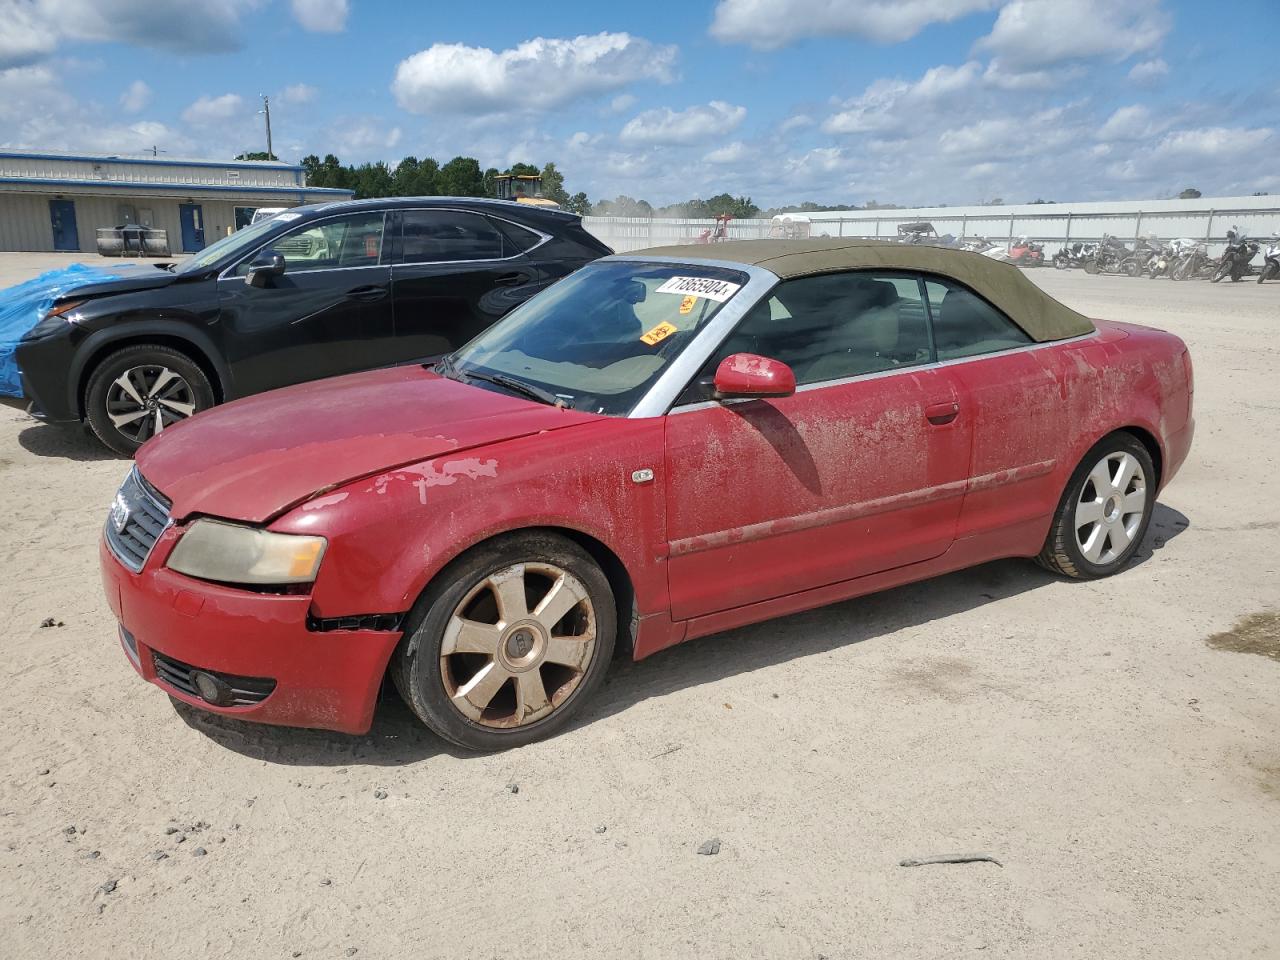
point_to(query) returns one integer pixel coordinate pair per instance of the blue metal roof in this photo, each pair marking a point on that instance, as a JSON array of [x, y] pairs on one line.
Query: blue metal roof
[[303, 193], [111, 158]]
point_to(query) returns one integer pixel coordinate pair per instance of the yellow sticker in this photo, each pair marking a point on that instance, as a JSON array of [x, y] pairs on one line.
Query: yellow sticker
[[687, 304], [659, 333]]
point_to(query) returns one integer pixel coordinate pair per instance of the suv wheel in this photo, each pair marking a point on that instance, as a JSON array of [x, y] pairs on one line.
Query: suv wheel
[[138, 391]]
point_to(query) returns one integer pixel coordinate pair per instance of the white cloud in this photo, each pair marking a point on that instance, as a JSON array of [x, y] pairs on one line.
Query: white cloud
[[798, 122], [1149, 72], [297, 93], [729, 153], [208, 110], [1134, 122], [31, 30], [622, 102], [769, 24], [1033, 34], [667, 126], [997, 75], [1212, 143], [136, 97], [321, 16], [891, 104], [539, 73]]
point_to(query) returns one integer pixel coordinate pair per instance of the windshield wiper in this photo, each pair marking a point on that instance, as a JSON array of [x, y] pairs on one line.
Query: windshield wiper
[[516, 386]]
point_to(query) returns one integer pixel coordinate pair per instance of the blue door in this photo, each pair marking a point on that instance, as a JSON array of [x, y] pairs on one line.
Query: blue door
[[62, 214], [192, 227]]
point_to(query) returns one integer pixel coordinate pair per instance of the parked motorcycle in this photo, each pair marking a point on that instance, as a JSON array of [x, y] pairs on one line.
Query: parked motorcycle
[[1270, 260], [1138, 262], [1194, 265], [1024, 253], [1074, 255], [1162, 265], [1237, 257], [1108, 257]]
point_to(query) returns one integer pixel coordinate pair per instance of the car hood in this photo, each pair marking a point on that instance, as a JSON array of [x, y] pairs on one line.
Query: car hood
[[128, 279], [253, 459]]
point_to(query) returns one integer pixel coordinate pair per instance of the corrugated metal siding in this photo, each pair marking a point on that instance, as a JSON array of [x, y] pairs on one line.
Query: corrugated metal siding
[[132, 171], [25, 223]]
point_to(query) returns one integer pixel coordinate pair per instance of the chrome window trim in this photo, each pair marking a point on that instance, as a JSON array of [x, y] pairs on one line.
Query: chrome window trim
[[545, 237], [895, 371], [227, 274], [657, 400]]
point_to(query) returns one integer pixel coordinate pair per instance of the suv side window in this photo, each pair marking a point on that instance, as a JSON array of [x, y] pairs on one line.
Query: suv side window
[[831, 326], [354, 241], [965, 325], [443, 236]]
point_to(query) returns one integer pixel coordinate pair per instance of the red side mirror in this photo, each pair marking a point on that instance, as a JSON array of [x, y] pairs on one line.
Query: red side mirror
[[748, 376]]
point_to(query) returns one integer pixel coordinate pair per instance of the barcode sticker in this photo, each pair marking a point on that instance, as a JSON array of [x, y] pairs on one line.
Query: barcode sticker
[[712, 289]]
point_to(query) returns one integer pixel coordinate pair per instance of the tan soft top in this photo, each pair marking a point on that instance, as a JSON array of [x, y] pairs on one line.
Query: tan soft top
[[1041, 316]]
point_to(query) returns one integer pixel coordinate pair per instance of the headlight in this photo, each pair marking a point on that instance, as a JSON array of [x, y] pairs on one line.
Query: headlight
[[54, 321], [230, 553]]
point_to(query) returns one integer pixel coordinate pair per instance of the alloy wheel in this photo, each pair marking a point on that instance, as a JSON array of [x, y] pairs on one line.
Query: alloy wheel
[[145, 399], [1112, 504], [518, 645]]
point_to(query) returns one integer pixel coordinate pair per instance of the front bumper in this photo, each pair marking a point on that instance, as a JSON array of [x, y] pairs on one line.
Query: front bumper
[[44, 366], [327, 680]]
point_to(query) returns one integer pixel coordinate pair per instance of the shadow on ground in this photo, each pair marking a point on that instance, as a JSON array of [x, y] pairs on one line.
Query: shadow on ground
[[397, 737], [65, 442]]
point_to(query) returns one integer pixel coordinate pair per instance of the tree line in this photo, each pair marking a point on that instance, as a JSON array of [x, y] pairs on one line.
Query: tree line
[[464, 177]]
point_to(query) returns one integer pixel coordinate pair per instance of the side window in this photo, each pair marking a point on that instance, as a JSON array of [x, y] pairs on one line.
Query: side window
[[831, 326], [519, 238], [965, 325], [441, 236], [354, 241]]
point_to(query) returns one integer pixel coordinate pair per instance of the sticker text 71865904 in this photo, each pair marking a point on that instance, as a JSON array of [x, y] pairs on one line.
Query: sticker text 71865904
[[709, 287]]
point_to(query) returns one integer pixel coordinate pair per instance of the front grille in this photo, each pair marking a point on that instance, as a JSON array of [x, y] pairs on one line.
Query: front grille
[[138, 516], [242, 691]]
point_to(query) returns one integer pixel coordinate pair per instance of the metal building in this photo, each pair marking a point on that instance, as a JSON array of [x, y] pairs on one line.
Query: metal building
[[54, 201]]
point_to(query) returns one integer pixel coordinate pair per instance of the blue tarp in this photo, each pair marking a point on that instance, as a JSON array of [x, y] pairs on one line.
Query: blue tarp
[[25, 305]]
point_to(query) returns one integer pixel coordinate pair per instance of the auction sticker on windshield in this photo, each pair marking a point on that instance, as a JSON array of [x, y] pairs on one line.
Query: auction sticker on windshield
[[717, 290]]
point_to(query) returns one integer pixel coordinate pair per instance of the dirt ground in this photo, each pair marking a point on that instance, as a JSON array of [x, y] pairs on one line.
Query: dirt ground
[[1124, 771]]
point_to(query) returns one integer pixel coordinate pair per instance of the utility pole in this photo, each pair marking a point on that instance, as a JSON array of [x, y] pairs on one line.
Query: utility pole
[[266, 109]]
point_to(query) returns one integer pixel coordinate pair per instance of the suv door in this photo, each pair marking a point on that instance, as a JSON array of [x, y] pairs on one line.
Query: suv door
[[454, 274], [861, 470], [328, 313]]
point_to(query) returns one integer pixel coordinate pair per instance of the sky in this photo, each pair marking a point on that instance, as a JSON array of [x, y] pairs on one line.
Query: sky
[[916, 102]]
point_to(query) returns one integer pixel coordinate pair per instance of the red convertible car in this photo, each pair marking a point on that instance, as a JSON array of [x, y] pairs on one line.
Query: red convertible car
[[662, 446]]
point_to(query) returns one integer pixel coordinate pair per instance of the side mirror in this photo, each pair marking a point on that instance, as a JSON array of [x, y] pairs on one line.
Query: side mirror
[[746, 376], [263, 269]]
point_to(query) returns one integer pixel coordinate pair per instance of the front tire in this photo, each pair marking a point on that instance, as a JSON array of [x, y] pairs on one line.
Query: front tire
[[508, 642], [136, 392], [1104, 512]]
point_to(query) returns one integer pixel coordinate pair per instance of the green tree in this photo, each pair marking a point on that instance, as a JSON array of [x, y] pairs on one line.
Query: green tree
[[490, 182], [372, 180], [578, 204], [553, 185], [257, 155], [461, 177], [524, 170], [1191, 193], [415, 178]]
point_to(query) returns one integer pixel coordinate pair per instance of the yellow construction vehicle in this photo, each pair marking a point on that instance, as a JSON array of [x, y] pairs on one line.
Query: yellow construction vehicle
[[522, 188]]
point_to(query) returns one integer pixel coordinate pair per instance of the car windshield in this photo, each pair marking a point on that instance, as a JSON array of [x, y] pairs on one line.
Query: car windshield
[[239, 242], [600, 338]]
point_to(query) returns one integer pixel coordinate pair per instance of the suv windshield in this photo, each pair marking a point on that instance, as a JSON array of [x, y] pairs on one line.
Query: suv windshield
[[600, 338], [239, 242]]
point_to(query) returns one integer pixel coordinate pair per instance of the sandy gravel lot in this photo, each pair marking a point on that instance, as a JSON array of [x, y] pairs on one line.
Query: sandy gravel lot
[[1125, 772]]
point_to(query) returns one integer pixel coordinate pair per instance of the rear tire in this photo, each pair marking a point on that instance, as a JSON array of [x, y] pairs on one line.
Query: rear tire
[[1104, 512], [479, 622], [138, 391]]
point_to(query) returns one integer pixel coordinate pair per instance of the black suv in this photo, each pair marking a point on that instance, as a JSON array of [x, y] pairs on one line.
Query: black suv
[[313, 292]]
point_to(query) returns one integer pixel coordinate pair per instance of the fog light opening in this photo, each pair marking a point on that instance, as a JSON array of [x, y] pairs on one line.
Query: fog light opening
[[211, 689]]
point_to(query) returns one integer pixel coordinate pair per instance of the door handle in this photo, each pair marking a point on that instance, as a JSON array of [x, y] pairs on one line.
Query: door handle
[[940, 414], [510, 279], [367, 293]]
